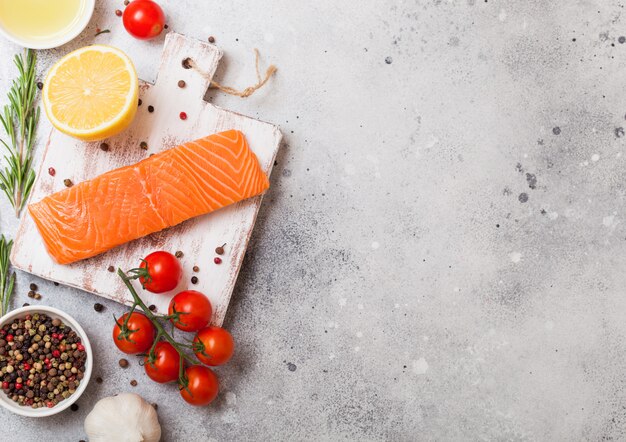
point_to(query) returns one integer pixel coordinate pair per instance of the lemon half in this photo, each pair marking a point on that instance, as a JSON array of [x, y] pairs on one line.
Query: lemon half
[[91, 93]]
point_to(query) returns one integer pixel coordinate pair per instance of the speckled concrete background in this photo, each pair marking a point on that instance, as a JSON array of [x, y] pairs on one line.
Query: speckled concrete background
[[441, 254]]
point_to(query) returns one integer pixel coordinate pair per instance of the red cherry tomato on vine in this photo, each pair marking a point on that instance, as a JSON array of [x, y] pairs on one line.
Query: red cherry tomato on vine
[[192, 310], [166, 364], [213, 346], [202, 386], [143, 19], [164, 272], [138, 335]]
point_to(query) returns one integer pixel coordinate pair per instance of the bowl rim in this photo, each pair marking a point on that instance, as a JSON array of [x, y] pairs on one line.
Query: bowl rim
[[66, 318], [61, 39]]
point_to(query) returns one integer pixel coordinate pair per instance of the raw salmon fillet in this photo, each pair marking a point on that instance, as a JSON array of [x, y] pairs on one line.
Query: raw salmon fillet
[[161, 191]]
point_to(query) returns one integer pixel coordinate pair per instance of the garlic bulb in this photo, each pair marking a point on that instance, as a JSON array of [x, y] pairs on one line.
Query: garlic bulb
[[123, 418]]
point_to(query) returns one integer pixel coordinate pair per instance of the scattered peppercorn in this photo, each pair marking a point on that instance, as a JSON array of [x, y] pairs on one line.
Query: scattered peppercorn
[[196, 269], [31, 294], [152, 307], [68, 182], [56, 284], [74, 407], [217, 260], [183, 116], [211, 39], [179, 254], [51, 171], [165, 26], [33, 286], [26, 304], [126, 2], [98, 307], [194, 279], [181, 83], [133, 383], [99, 380], [37, 296], [111, 269], [150, 108], [220, 250], [143, 145], [139, 102], [39, 85], [123, 363], [104, 147], [118, 12], [155, 406]]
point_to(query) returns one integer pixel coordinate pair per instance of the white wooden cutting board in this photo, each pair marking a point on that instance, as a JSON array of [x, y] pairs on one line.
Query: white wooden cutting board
[[161, 129]]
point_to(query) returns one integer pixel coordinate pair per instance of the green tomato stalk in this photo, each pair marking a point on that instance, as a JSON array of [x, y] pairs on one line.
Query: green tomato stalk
[[125, 332]]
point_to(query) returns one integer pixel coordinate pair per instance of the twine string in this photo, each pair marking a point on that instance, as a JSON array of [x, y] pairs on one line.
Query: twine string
[[261, 81]]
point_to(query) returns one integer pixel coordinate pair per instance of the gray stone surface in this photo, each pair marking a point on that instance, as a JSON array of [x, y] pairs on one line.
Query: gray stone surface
[[440, 256]]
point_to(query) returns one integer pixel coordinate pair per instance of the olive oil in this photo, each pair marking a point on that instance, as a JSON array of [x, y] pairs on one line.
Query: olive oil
[[39, 19]]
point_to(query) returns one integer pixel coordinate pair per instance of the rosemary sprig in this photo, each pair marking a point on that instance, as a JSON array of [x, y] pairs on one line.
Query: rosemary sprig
[[7, 280], [19, 119]]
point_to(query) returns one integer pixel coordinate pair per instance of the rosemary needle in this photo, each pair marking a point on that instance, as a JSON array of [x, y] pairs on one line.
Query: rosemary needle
[[19, 119], [7, 280]]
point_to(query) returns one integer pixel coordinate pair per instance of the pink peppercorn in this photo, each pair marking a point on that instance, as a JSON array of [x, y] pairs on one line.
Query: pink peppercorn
[[51, 171], [183, 116], [10, 338], [80, 347], [56, 353], [217, 260]]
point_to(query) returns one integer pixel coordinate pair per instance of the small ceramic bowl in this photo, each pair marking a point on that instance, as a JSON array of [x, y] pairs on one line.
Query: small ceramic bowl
[[56, 40], [69, 321]]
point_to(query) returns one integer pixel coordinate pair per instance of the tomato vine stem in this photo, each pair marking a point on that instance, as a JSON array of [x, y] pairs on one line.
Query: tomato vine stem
[[161, 332]]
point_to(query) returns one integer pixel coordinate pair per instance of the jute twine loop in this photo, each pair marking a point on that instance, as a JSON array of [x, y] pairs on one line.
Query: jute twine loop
[[231, 90]]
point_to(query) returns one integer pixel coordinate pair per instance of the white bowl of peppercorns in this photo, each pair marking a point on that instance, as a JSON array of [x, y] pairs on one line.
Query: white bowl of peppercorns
[[45, 361]]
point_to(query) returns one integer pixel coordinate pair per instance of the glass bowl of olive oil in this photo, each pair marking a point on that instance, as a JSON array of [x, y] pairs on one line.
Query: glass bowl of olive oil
[[44, 24]]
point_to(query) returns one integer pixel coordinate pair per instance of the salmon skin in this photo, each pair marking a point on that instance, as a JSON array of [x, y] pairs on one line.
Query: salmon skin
[[161, 191]]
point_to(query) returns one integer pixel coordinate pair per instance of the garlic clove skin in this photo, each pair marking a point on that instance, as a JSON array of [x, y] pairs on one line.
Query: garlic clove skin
[[126, 417]]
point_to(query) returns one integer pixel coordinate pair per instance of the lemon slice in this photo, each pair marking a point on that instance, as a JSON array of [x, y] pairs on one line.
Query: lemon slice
[[91, 93]]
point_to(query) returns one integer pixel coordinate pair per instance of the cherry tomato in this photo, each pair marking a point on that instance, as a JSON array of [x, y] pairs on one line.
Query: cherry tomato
[[166, 364], [213, 346], [193, 310], [164, 272], [143, 19], [202, 386], [140, 334]]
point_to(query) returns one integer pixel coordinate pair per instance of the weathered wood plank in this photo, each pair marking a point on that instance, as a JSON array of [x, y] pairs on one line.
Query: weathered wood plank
[[161, 129]]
